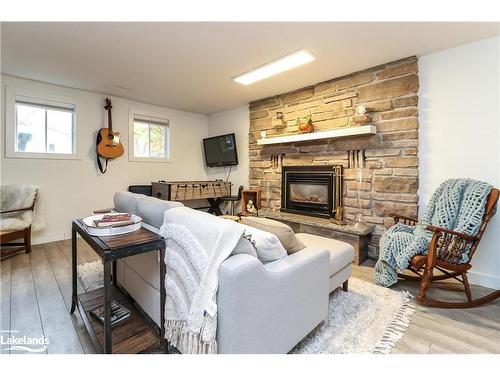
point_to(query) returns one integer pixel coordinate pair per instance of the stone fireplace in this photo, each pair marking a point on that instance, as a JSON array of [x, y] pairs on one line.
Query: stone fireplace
[[390, 157], [310, 190]]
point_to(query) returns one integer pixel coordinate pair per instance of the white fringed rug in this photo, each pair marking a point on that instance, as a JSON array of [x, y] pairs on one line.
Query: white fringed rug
[[91, 275], [366, 319]]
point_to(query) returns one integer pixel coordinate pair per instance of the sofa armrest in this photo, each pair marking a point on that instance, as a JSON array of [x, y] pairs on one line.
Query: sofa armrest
[[270, 308]]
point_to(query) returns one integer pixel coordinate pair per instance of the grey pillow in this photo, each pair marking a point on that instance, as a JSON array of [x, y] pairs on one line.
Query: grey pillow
[[284, 233], [267, 245]]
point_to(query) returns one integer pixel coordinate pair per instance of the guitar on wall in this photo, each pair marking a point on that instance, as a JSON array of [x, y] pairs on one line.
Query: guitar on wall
[[108, 144]]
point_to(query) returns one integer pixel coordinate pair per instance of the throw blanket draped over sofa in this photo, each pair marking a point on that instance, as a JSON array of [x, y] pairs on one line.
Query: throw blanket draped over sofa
[[196, 245], [458, 204]]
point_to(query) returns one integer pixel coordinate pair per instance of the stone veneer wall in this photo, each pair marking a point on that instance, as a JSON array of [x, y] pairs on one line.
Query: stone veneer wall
[[389, 92]]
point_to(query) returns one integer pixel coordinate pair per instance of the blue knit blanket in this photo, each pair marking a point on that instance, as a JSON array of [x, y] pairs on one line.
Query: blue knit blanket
[[458, 204]]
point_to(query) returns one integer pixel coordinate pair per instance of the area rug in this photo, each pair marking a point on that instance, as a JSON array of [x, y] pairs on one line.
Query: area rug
[[91, 275], [366, 319]]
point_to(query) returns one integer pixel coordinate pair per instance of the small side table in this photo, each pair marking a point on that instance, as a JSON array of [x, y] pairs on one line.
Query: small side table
[[138, 333]]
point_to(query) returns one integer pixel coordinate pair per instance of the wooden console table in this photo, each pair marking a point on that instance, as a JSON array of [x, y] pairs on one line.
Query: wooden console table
[[357, 237], [138, 333]]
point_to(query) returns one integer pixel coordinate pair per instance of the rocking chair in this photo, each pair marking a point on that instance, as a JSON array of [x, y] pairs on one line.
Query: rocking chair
[[445, 253]]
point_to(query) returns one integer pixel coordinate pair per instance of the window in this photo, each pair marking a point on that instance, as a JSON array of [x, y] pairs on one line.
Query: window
[[150, 140], [39, 125], [43, 128]]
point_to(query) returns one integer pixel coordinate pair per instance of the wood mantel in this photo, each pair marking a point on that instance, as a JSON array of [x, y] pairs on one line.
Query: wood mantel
[[352, 131]]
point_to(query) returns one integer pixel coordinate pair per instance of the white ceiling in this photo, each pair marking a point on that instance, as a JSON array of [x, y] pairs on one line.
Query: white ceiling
[[189, 65]]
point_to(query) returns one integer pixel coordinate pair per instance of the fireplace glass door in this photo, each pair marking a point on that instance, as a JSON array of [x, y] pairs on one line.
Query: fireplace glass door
[[309, 193], [308, 190]]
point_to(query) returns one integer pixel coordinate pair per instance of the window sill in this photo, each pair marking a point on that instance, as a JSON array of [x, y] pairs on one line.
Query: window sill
[[43, 156], [150, 160]]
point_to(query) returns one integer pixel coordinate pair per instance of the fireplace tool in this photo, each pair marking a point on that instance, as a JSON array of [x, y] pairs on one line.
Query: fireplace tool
[[338, 213], [276, 160]]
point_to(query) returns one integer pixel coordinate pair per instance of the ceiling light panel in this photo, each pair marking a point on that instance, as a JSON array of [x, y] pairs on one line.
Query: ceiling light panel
[[280, 65]]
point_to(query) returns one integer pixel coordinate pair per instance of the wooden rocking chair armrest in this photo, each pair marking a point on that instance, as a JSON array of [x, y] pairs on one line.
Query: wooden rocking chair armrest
[[405, 219], [17, 210], [436, 230]]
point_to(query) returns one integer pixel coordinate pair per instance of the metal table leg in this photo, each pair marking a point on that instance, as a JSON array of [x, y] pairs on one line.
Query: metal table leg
[[74, 261], [163, 341], [107, 307], [115, 276]]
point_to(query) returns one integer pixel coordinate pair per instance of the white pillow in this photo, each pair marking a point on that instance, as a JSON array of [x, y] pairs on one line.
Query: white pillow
[[267, 245], [244, 246]]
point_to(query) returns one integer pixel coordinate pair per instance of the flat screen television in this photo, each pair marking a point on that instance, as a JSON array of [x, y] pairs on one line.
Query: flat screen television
[[220, 150]]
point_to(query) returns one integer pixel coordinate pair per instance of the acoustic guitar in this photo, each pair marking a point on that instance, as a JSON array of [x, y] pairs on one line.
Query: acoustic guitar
[[108, 141]]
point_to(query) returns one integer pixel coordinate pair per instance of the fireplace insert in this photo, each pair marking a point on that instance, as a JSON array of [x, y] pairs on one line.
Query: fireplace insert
[[311, 190]]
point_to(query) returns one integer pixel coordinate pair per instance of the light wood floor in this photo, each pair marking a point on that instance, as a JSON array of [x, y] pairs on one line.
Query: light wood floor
[[36, 297]]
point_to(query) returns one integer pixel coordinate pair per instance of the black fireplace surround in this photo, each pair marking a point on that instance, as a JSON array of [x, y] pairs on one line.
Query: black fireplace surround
[[311, 190]]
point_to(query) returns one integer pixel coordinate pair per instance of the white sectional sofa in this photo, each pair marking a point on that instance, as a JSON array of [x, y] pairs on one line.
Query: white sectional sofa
[[262, 308]]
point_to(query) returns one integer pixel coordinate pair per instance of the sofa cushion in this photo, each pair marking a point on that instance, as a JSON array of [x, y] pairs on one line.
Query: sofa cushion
[[125, 201], [267, 245], [341, 253], [152, 209], [284, 233]]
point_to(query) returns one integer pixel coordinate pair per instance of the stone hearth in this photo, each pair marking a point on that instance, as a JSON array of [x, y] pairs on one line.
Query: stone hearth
[[390, 181], [358, 237]]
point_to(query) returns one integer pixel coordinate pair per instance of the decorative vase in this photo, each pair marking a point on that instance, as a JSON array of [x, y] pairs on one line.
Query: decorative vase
[[361, 118], [306, 127]]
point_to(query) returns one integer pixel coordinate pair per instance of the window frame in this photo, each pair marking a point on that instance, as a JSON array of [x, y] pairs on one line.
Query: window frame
[[41, 99], [157, 119]]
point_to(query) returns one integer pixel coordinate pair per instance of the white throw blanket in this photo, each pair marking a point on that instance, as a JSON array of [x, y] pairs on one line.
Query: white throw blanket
[[196, 245]]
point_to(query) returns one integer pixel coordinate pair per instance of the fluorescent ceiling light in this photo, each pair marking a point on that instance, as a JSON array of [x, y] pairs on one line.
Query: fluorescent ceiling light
[[121, 90], [275, 67]]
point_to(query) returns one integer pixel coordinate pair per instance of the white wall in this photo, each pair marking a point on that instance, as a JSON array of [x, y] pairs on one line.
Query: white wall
[[460, 131], [72, 188], [236, 120]]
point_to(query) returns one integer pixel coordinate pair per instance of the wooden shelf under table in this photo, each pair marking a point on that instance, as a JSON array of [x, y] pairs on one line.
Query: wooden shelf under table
[[134, 335]]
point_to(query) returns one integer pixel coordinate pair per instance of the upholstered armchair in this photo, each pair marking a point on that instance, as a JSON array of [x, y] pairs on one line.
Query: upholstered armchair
[[17, 213]]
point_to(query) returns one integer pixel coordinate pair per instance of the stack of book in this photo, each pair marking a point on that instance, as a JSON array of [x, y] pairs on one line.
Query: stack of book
[[118, 313], [114, 220]]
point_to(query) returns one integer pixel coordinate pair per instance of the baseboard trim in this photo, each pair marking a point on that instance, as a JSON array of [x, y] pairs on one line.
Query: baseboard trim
[[482, 279], [48, 237]]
